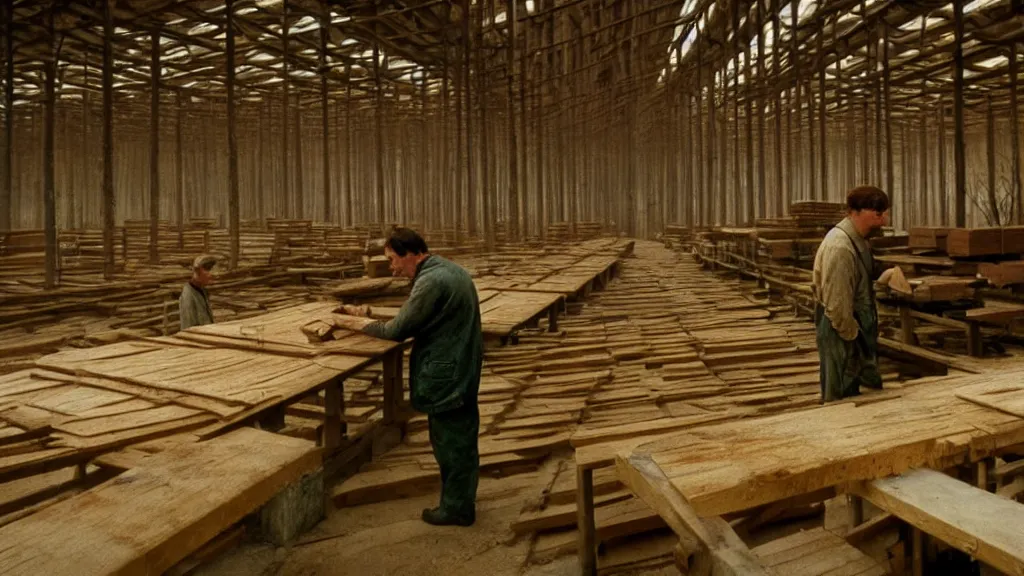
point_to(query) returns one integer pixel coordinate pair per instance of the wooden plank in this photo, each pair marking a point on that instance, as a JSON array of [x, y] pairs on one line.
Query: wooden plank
[[956, 513], [725, 553], [155, 515]]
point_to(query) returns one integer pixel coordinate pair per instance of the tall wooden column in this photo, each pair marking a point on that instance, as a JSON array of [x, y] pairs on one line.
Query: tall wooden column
[[468, 111], [179, 170], [512, 227], [154, 148], [233, 212], [781, 191], [890, 186], [284, 198], [1018, 198], [49, 200], [349, 219], [325, 23], [7, 184], [378, 119], [960, 162], [109, 205]]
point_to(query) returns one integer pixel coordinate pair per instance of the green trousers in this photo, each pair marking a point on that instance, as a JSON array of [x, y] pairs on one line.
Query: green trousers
[[453, 435], [847, 365]]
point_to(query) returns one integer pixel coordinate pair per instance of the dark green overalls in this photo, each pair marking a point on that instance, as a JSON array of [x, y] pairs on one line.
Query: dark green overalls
[[846, 365]]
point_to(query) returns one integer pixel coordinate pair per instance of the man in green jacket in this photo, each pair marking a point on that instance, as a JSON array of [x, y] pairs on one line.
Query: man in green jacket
[[442, 314]]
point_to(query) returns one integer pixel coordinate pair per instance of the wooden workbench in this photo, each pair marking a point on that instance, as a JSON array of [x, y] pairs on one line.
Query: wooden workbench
[[692, 477], [80, 403]]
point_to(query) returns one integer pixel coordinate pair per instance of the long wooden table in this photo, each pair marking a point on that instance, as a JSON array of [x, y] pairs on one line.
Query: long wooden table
[[709, 470], [79, 403]]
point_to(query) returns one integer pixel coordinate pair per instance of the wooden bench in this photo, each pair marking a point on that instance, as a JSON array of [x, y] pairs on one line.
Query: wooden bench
[[151, 517], [988, 527]]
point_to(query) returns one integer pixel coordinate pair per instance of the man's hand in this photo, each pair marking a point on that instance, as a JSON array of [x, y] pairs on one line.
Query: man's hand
[[352, 310], [355, 323]]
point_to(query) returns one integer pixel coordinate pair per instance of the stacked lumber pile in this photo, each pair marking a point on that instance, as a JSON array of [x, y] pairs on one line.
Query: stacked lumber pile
[[817, 213], [560, 232], [22, 252], [676, 236], [588, 230]]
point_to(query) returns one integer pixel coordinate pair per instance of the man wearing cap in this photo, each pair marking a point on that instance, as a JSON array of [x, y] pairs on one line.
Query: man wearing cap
[[194, 302], [845, 317]]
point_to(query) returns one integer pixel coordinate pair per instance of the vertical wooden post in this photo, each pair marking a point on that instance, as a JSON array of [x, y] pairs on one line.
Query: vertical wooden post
[[585, 521], [960, 163], [1017, 194], [378, 118], [761, 97], [109, 205], [512, 226], [889, 176], [822, 112], [179, 170], [456, 201], [486, 188], [541, 205], [990, 149], [794, 61], [880, 103], [425, 207], [284, 200], [7, 185], [470, 151], [154, 148], [523, 161], [325, 23], [49, 201], [349, 220], [923, 184], [943, 199], [699, 157], [737, 197], [299, 210], [233, 211], [781, 191], [865, 161], [261, 122]]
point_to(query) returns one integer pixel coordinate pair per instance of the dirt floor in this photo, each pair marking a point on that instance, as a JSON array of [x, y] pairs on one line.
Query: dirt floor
[[388, 538]]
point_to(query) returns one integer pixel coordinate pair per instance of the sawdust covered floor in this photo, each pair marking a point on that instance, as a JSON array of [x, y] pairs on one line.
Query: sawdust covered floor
[[388, 538]]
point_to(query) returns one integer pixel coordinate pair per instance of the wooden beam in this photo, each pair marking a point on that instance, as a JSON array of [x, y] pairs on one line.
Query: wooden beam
[[781, 191], [468, 111], [762, 189], [955, 512], [284, 196], [822, 118], [154, 148], [959, 160], [722, 552], [325, 23], [886, 85], [1016, 192], [512, 224], [179, 169], [233, 211], [349, 219], [49, 201], [990, 149], [7, 184], [109, 206], [943, 200]]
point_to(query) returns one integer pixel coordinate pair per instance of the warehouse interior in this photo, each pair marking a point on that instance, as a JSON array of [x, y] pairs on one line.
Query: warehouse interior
[[638, 190]]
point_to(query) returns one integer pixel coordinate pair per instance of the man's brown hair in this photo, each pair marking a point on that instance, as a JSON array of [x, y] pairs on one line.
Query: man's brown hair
[[867, 198]]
